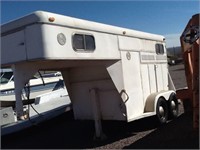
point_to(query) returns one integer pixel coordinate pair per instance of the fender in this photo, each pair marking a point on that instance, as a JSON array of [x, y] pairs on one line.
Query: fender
[[150, 105]]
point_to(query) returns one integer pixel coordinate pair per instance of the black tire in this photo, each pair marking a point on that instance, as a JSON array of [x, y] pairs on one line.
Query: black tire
[[173, 106], [162, 110]]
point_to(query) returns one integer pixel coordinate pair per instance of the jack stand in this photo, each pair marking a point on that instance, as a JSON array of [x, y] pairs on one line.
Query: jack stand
[[99, 135]]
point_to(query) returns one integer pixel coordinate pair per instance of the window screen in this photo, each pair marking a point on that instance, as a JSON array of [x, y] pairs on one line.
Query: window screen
[[78, 41], [90, 44], [159, 49], [83, 42]]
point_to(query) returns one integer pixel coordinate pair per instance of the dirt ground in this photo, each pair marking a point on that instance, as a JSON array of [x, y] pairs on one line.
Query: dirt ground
[[64, 132]]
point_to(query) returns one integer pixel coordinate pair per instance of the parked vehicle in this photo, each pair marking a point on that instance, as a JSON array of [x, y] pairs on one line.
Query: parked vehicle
[[37, 86], [44, 98], [111, 73]]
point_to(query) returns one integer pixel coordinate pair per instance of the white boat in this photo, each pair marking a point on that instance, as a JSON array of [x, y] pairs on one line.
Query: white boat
[[46, 106], [38, 85], [42, 101]]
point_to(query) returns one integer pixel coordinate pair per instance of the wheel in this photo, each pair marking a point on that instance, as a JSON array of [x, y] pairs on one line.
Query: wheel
[[162, 110], [173, 106], [191, 34]]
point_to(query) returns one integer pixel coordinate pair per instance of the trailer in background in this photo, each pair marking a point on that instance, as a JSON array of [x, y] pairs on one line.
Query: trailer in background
[[111, 73], [190, 50]]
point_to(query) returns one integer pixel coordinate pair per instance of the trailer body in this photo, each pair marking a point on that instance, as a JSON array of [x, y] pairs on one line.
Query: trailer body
[[111, 73]]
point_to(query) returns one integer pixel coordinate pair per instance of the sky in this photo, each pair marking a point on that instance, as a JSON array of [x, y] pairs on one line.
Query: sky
[[167, 18]]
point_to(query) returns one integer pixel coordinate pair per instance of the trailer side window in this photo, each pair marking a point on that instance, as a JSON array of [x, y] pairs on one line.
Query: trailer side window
[[78, 41], [82, 42], [159, 49]]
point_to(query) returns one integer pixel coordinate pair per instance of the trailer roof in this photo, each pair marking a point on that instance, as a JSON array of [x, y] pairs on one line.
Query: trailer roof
[[61, 20]]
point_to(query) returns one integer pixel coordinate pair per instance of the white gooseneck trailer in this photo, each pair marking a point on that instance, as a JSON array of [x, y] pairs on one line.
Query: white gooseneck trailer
[[111, 73]]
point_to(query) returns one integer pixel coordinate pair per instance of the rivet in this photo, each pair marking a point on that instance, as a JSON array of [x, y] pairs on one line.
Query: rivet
[[128, 55]]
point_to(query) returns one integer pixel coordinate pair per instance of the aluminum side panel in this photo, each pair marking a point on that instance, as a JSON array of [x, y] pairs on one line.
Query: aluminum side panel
[[132, 84], [13, 48]]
